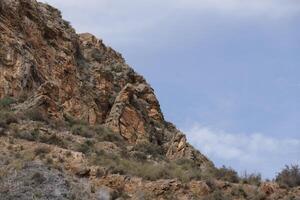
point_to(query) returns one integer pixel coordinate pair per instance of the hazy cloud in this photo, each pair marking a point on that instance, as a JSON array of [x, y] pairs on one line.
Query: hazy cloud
[[125, 21], [271, 8], [267, 8], [252, 152]]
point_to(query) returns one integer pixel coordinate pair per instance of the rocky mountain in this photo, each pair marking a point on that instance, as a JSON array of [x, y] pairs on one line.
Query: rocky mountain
[[77, 122]]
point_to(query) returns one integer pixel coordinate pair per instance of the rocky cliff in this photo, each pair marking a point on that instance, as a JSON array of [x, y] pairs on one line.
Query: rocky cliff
[[72, 104], [62, 73]]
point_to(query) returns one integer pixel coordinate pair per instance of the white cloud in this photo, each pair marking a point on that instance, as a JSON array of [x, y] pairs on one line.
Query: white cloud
[[270, 8], [267, 8], [252, 152], [129, 22]]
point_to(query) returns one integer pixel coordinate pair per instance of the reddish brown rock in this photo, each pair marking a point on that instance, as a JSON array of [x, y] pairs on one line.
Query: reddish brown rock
[[66, 74], [269, 188], [199, 188]]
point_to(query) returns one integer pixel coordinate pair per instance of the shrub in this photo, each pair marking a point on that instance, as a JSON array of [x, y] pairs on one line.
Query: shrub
[[85, 147], [23, 97], [105, 134], [68, 153], [38, 178], [289, 176], [30, 136], [186, 170], [139, 156], [36, 114], [150, 149], [73, 121], [258, 195], [49, 160], [227, 174], [2, 132], [217, 195], [41, 151], [55, 140], [7, 117], [82, 130], [239, 191], [253, 179], [6, 102]]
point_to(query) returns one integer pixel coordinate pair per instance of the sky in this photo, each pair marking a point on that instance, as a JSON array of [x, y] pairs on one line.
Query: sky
[[226, 72]]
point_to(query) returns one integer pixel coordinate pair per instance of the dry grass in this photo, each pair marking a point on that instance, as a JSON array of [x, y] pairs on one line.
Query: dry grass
[[149, 170]]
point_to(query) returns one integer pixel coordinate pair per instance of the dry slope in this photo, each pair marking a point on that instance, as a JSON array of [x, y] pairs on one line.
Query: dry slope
[[77, 122]]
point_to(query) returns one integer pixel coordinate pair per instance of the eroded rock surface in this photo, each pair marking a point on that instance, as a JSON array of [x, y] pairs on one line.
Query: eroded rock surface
[[76, 122], [62, 73]]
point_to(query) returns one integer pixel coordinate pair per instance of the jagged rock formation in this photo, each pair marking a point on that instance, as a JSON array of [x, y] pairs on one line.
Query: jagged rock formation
[[77, 75], [57, 77]]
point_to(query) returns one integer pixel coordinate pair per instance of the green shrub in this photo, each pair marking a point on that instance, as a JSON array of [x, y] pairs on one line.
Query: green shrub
[[55, 140], [30, 136], [86, 147], [73, 121], [36, 114], [186, 170], [150, 149], [105, 134], [82, 130], [227, 174], [289, 176], [6, 102]]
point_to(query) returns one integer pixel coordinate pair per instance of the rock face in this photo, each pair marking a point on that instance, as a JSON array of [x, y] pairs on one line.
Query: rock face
[[76, 122], [44, 62]]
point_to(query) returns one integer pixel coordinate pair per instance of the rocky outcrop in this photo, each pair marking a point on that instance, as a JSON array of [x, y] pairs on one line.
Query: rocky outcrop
[[76, 122], [53, 69]]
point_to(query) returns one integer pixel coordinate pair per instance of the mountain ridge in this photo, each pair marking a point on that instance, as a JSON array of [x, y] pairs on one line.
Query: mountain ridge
[[71, 102]]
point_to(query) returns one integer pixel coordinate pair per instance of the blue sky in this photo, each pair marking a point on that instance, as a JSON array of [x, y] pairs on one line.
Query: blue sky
[[226, 72]]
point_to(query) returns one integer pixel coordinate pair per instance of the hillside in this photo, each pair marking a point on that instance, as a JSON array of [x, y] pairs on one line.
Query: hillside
[[76, 122]]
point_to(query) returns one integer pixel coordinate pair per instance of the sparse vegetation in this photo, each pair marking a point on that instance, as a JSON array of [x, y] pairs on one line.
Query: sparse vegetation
[[239, 192], [217, 195], [183, 170], [36, 114], [289, 176], [155, 151], [105, 134], [82, 130], [86, 147], [227, 174], [71, 121], [7, 117], [26, 135], [38, 178], [41, 151], [55, 140], [253, 179], [6, 102], [258, 195]]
